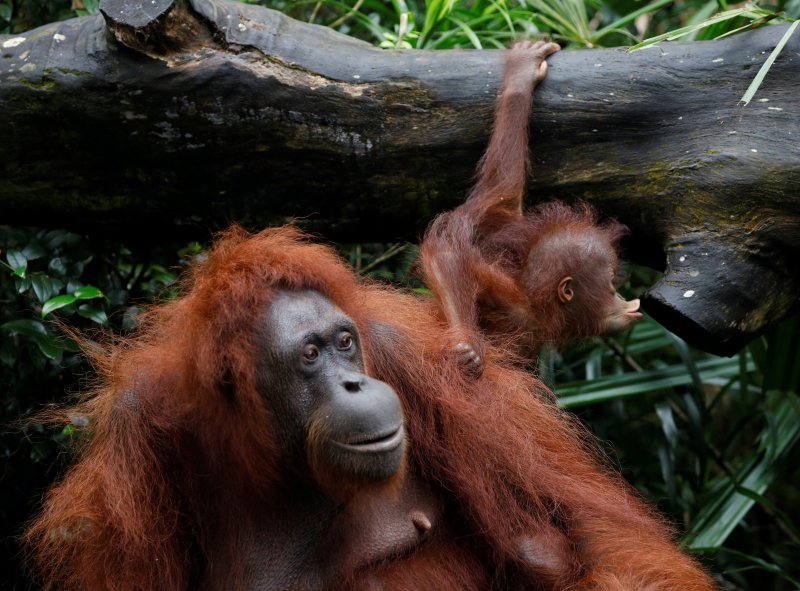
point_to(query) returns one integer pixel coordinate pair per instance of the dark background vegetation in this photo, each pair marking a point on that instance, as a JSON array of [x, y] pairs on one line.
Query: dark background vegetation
[[711, 441]]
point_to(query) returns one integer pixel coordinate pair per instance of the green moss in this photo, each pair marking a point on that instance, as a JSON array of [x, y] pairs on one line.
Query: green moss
[[43, 84], [68, 71]]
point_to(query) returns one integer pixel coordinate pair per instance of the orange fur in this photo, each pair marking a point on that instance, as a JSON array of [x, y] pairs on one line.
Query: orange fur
[[569, 241], [494, 269], [180, 441]]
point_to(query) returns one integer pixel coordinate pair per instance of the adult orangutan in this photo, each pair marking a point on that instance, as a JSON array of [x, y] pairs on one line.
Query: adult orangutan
[[249, 437], [546, 276]]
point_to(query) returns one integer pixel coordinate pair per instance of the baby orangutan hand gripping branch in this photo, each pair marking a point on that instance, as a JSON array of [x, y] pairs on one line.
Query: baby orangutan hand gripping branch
[[542, 277]]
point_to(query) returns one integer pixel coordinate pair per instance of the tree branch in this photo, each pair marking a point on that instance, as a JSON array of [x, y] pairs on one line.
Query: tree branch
[[185, 117]]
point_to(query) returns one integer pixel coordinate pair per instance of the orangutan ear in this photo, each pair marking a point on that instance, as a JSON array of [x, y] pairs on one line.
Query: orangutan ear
[[565, 292]]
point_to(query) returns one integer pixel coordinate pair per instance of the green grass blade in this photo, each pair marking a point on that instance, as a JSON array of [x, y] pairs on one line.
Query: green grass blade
[[629, 18], [756, 83], [734, 496], [606, 388], [503, 11], [468, 32], [751, 25], [747, 10]]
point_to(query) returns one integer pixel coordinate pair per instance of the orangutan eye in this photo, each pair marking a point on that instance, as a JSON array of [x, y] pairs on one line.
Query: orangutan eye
[[310, 354], [345, 341]]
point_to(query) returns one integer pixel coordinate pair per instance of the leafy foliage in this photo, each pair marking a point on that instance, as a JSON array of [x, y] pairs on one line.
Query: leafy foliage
[[17, 16], [714, 441], [48, 279], [441, 24]]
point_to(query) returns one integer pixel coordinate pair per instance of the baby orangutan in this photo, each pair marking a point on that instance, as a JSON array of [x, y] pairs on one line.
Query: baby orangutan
[[542, 277], [528, 279]]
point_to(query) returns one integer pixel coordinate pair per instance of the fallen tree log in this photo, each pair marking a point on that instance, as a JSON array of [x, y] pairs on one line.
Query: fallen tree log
[[182, 117]]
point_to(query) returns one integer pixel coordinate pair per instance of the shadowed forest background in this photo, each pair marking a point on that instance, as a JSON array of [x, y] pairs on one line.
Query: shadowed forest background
[[711, 441]]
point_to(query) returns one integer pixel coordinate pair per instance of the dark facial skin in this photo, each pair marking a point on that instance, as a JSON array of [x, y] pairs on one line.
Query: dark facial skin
[[346, 426]]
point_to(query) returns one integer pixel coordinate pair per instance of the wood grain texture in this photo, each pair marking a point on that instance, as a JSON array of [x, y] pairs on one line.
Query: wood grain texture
[[192, 116]]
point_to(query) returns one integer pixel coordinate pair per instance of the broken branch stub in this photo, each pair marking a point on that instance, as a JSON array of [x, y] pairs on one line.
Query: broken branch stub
[[718, 295]]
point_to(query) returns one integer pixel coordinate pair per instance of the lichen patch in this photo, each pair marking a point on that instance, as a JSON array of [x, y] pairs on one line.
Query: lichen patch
[[13, 42]]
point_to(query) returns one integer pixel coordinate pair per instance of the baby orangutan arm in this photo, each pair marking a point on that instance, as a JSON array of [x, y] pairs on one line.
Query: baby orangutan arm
[[455, 267], [505, 166]]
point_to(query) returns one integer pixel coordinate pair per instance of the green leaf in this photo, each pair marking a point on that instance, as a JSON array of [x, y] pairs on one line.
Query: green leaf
[[664, 413], [751, 25], [621, 386], [41, 288], [24, 327], [468, 32], [75, 269], [629, 18], [44, 287], [53, 239], [435, 11], [16, 259], [87, 292], [18, 262], [34, 250], [94, 314], [49, 347], [764, 565], [56, 267], [23, 284], [69, 345], [37, 331], [56, 303]]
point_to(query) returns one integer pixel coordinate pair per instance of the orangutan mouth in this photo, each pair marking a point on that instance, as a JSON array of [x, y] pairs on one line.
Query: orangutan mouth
[[379, 444]]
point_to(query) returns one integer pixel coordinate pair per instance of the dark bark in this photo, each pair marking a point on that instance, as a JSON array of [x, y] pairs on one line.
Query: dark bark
[[183, 118]]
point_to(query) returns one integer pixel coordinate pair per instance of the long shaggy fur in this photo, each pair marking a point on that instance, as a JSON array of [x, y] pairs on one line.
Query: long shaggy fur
[[179, 437], [494, 269]]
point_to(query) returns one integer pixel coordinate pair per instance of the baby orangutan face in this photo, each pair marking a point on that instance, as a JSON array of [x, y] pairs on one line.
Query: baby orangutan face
[[609, 311], [620, 314]]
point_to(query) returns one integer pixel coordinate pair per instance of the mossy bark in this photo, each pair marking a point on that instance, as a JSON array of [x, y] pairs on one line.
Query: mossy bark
[[187, 116]]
